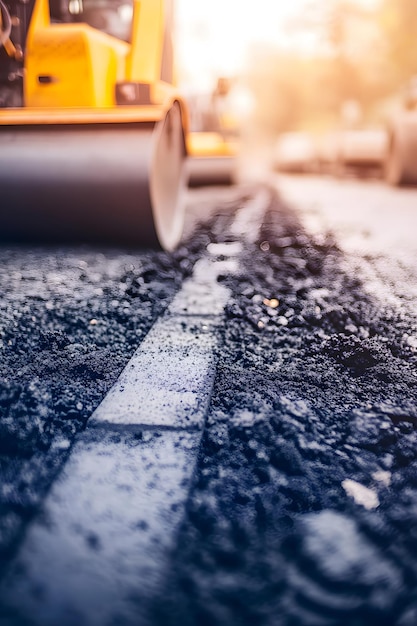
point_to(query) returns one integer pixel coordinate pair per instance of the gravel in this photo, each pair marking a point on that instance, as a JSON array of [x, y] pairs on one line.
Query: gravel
[[304, 504]]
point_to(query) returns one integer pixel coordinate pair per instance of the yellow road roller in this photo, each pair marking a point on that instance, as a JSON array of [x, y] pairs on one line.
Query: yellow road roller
[[213, 142], [212, 159], [401, 155], [92, 128]]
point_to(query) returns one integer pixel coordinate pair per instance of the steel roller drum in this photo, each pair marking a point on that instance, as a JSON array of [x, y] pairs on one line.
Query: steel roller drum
[[114, 183]]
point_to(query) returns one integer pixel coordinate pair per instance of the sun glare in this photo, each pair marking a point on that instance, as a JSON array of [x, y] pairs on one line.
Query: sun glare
[[215, 38]]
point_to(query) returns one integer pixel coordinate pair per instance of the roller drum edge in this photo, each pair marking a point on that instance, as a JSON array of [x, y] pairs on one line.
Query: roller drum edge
[[108, 183], [401, 160], [203, 171]]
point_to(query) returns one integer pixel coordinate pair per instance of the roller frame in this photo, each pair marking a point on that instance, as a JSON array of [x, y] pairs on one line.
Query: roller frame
[[401, 157], [109, 182]]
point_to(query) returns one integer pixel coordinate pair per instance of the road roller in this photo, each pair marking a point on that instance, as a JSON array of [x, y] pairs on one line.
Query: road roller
[[401, 155], [213, 142], [92, 126]]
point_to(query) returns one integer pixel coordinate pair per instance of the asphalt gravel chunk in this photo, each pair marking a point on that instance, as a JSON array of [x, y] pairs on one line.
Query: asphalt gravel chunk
[[304, 506]]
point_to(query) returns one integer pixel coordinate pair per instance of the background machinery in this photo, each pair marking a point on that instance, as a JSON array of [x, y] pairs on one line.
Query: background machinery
[[401, 156], [92, 129], [213, 140]]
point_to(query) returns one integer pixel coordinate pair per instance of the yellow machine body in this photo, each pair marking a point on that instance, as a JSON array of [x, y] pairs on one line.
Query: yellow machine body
[[210, 144], [213, 142], [75, 65], [80, 76]]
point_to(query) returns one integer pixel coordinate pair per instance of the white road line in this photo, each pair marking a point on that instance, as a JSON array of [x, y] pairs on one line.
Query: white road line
[[168, 380], [97, 552], [228, 249], [202, 294], [100, 548], [249, 218]]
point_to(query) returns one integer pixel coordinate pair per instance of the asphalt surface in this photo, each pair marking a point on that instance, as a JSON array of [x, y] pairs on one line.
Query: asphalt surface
[[70, 320], [301, 507]]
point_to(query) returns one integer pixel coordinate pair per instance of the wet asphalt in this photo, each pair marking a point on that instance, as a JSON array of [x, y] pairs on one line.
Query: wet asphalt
[[302, 507]]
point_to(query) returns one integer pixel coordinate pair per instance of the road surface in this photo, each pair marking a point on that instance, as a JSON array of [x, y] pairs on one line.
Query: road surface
[[222, 435]]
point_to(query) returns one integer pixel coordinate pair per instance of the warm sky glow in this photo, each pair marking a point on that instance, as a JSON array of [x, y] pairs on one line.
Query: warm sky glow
[[214, 36]]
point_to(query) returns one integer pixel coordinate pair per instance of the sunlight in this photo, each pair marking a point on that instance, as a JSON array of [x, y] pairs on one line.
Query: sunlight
[[214, 38]]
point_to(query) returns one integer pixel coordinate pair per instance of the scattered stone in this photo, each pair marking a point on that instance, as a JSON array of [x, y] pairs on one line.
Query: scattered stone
[[362, 495]]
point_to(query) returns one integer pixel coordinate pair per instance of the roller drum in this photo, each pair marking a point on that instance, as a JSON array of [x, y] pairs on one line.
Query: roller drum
[[219, 170], [401, 157], [112, 183]]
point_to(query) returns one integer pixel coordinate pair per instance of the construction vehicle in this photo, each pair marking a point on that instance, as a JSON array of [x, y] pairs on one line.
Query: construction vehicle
[[401, 156], [92, 128], [213, 142]]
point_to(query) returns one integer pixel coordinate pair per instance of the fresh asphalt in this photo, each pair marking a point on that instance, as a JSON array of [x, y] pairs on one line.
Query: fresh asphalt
[[287, 496]]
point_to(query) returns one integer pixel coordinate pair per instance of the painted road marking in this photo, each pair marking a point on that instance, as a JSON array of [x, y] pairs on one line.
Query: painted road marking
[[169, 379], [227, 249], [202, 294], [97, 552], [248, 219], [100, 548]]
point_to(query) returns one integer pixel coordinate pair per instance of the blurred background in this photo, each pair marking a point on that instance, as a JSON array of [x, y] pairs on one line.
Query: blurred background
[[308, 66]]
